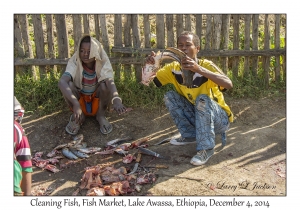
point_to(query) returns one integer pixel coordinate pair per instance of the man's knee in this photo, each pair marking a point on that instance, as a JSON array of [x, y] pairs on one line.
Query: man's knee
[[201, 102], [102, 90]]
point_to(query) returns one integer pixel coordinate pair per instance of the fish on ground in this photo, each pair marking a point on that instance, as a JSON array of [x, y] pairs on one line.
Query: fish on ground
[[68, 154], [118, 141], [78, 153]]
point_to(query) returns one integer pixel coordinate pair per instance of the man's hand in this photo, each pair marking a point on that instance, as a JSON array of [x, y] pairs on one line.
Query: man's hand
[[118, 106], [188, 63], [77, 113]]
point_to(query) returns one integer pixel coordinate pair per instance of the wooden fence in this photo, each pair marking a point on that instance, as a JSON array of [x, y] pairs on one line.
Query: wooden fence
[[238, 43]]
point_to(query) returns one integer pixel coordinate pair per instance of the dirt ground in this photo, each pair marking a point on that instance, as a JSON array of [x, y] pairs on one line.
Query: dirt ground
[[252, 163]]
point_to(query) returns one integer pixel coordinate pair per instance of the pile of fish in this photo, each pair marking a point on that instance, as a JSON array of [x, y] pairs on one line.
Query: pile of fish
[[101, 180], [75, 149], [72, 150]]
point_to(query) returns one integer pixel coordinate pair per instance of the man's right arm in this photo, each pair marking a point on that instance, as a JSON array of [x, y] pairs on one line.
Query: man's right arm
[[64, 87]]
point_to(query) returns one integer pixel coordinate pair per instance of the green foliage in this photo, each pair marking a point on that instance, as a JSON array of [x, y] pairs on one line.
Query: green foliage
[[42, 96], [253, 86]]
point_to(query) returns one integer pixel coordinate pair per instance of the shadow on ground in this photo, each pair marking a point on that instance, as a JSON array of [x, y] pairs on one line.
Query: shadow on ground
[[252, 163]]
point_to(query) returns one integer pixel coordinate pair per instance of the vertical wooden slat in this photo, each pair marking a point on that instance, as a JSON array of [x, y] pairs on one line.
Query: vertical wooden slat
[[160, 31], [118, 30], [25, 35], [225, 39], [216, 39], [147, 34], [170, 32], [104, 33], [18, 42], [77, 30], [86, 24], [188, 24], [199, 28], [97, 27], [136, 31], [255, 25], [26, 41], [283, 22], [50, 39], [127, 31], [62, 38], [136, 44], [127, 43], [208, 32], [117, 40], [266, 47], [277, 46], [39, 41], [247, 42], [179, 25], [236, 42]]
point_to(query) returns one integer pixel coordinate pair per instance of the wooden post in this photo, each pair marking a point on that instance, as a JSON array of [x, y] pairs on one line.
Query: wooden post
[[86, 24], [255, 25], [283, 22], [18, 44], [50, 41], [199, 28], [266, 63], [77, 30], [236, 42], [62, 38], [160, 31], [170, 33], [277, 46], [97, 27], [27, 43], [39, 41], [216, 39], [208, 32], [147, 32], [188, 24], [127, 43], [104, 34], [179, 25], [225, 39], [247, 42], [18, 48], [136, 44], [117, 41]]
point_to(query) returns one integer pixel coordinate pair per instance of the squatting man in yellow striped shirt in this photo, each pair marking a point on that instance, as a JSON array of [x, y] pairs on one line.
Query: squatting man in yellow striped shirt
[[199, 111]]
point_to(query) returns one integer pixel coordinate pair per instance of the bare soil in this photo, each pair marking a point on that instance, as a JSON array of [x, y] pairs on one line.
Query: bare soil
[[252, 163]]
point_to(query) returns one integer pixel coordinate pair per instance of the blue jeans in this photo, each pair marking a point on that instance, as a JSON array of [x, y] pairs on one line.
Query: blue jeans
[[201, 121]]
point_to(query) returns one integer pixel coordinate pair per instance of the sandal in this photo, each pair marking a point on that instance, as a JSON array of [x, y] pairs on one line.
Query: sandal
[[72, 127], [106, 130]]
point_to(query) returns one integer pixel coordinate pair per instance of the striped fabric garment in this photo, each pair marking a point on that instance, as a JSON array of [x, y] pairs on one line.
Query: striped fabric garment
[[89, 80], [22, 148]]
